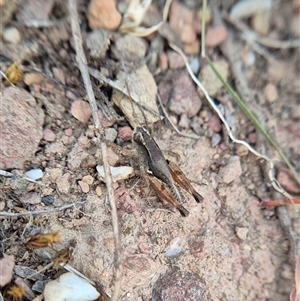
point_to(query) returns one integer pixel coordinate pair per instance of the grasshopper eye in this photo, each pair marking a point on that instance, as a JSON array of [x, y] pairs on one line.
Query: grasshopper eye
[[138, 137]]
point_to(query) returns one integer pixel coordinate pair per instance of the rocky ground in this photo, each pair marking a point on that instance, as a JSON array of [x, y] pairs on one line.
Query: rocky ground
[[229, 247]]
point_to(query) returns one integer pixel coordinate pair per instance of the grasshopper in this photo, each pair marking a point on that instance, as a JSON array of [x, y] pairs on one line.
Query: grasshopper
[[163, 173], [155, 169]]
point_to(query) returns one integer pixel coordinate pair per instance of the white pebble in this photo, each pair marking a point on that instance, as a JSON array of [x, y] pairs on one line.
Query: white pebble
[[11, 35], [175, 249], [34, 174], [118, 173], [195, 65], [70, 287]]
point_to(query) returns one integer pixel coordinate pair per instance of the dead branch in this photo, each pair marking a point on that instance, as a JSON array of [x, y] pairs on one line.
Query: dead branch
[[82, 65]]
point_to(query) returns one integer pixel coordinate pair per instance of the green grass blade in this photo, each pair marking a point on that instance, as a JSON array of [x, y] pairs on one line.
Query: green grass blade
[[254, 120]]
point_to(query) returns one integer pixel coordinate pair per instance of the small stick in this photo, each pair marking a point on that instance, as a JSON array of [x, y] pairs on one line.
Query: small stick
[[274, 203], [82, 65], [51, 210], [192, 136]]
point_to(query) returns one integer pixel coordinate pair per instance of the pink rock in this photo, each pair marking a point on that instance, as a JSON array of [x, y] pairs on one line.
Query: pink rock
[[184, 121], [214, 123], [84, 186], [65, 139], [231, 171], [48, 135], [81, 111], [175, 60], [215, 36], [179, 286], [271, 92], [7, 263], [20, 127], [88, 179], [252, 138], [287, 180], [103, 13], [192, 48], [185, 99], [71, 95], [59, 74], [63, 183], [69, 132], [144, 248], [112, 157], [76, 156], [181, 20], [163, 61], [30, 198], [164, 90], [104, 121], [125, 133]]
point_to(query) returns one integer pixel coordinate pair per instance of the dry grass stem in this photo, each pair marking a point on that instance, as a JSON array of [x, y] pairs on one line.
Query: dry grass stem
[[57, 209], [192, 136], [82, 64], [271, 172]]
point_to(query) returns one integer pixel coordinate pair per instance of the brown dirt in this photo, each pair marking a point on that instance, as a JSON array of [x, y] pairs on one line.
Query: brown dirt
[[228, 248]]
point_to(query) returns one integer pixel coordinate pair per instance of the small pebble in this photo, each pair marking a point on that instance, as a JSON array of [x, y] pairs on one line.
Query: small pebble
[[125, 133], [251, 186], [110, 134], [215, 36], [241, 232], [175, 60], [118, 173], [70, 287], [252, 138], [99, 191], [69, 132], [195, 65], [216, 139], [214, 123], [48, 135], [271, 92], [33, 78], [88, 179], [2, 205], [103, 13], [174, 249], [184, 121], [11, 35], [34, 174], [242, 150], [81, 111], [48, 200], [98, 42], [84, 186]]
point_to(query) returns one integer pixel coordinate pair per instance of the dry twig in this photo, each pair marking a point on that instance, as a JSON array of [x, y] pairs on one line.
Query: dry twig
[[82, 64], [192, 136], [57, 209], [271, 173]]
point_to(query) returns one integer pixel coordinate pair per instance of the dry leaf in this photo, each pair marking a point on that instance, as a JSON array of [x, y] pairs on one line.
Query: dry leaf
[[142, 87], [42, 240], [143, 31], [134, 16], [7, 264], [14, 292], [13, 73]]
